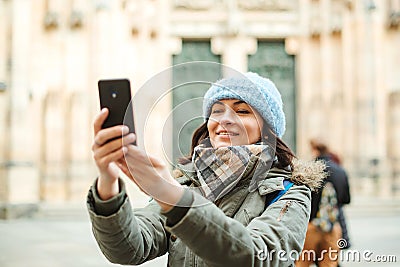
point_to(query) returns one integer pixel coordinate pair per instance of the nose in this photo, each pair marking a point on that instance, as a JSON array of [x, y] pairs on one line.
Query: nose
[[227, 118]]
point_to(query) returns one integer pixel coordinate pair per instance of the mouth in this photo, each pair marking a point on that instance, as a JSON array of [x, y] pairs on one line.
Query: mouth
[[226, 133]]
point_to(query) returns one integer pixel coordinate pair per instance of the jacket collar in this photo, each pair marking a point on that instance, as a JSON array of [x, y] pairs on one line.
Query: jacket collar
[[309, 173]]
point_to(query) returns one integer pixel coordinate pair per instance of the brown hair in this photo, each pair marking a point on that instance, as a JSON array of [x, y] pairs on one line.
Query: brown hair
[[319, 145], [284, 154], [322, 148]]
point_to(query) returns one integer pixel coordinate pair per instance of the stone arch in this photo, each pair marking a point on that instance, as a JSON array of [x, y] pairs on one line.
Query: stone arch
[[393, 142], [53, 169]]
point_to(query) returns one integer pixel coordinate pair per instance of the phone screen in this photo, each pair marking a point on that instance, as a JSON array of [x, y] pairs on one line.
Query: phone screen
[[116, 96]]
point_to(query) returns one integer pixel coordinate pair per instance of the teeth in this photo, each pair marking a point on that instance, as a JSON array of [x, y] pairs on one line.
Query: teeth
[[225, 133]]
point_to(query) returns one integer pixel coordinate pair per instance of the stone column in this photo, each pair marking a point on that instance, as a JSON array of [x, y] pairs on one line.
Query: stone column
[[304, 79], [153, 48], [320, 79], [5, 42], [21, 173], [368, 148], [234, 50], [332, 76], [381, 93], [349, 152]]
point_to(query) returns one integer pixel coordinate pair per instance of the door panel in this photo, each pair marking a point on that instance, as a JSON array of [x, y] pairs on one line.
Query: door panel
[[190, 82], [272, 61]]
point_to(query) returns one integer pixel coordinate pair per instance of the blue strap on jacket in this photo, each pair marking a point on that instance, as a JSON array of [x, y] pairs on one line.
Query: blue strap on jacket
[[287, 184]]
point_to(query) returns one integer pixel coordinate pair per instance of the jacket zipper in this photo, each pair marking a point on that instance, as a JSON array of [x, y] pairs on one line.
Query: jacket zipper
[[191, 179], [284, 210], [193, 256]]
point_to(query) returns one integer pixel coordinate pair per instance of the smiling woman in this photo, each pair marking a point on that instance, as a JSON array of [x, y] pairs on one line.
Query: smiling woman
[[238, 191], [234, 123]]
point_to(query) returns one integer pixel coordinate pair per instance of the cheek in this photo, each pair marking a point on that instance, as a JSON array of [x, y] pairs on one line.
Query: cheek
[[254, 131], [211, 126]]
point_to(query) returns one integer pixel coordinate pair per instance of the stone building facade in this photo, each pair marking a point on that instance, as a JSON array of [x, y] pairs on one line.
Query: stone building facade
[[336, 62]]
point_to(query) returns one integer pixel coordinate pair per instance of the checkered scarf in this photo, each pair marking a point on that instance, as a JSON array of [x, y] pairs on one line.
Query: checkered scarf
[[220, 169]]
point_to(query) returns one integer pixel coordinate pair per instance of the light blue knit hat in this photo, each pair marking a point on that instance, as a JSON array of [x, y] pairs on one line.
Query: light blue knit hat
[[259, 92]]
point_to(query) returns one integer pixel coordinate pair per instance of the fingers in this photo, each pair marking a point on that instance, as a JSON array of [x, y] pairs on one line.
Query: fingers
[[109, 143], [99, 120], [104, 161], [122, 165], [152, 176], [140, 155], [100, 150], [155, 161], [105, 135]]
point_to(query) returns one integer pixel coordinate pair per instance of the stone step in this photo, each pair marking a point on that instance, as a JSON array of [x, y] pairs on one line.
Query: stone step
[[62, 211], [359, 206], [368, 204]]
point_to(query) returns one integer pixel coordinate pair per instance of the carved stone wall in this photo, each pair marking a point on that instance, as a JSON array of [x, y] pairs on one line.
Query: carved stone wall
[[346, 59], [197, 5], [269, 5]]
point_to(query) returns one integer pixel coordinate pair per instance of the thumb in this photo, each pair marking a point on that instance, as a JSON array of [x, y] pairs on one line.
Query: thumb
[[155, 161], [113, 168]]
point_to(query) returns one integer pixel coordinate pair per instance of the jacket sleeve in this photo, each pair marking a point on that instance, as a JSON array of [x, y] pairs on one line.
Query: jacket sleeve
[[340, 180], [346, 190], [127, 236], [274, 238]]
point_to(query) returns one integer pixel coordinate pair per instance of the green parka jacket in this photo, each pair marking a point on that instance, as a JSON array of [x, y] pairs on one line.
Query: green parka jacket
[[236, 231]]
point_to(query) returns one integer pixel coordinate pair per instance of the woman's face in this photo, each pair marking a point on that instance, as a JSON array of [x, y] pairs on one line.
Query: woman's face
[[233, 122]]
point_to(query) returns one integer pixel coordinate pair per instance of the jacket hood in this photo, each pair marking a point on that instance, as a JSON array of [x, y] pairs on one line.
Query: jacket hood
[[308, 173]]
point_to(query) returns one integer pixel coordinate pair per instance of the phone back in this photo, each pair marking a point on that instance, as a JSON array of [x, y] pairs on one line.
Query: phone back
[[116, 96]]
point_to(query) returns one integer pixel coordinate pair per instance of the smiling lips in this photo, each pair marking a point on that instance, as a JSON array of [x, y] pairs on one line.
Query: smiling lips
[[226, 133]]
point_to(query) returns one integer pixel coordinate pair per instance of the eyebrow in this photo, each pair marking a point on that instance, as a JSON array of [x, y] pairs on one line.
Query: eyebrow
[[239, 102], [235, 103]]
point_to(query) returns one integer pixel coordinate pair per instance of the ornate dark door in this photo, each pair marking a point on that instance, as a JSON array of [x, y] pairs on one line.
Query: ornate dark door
[[272, 61], [190, 82]]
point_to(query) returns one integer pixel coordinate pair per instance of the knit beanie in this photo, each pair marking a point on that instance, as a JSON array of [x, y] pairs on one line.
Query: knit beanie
[[258, 92]]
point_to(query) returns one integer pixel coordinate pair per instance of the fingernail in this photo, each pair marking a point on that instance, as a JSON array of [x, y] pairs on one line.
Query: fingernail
[[124, 149], [125, 129], [103, 110]]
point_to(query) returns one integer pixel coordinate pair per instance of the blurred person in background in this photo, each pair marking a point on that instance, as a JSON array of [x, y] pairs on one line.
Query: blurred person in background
[[327, 222], [334, 162], [239, 195]]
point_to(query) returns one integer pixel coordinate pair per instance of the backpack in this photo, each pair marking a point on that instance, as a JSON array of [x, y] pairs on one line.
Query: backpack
[[328, 212]]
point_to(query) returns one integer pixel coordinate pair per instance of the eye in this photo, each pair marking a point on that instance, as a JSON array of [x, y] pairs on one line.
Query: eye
[[243, 111], [216, 111]]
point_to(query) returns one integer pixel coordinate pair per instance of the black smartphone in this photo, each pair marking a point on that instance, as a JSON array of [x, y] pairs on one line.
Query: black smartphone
[[115, 95]]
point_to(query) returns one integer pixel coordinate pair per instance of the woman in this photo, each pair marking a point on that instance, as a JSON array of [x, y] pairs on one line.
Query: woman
[[219, 210], [327, 229]]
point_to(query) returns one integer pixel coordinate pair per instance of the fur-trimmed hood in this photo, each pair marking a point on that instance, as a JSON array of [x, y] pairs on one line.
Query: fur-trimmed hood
[[309, 173]]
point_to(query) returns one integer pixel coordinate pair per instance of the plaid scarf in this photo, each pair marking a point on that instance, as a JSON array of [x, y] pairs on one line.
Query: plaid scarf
[[220, 169]]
